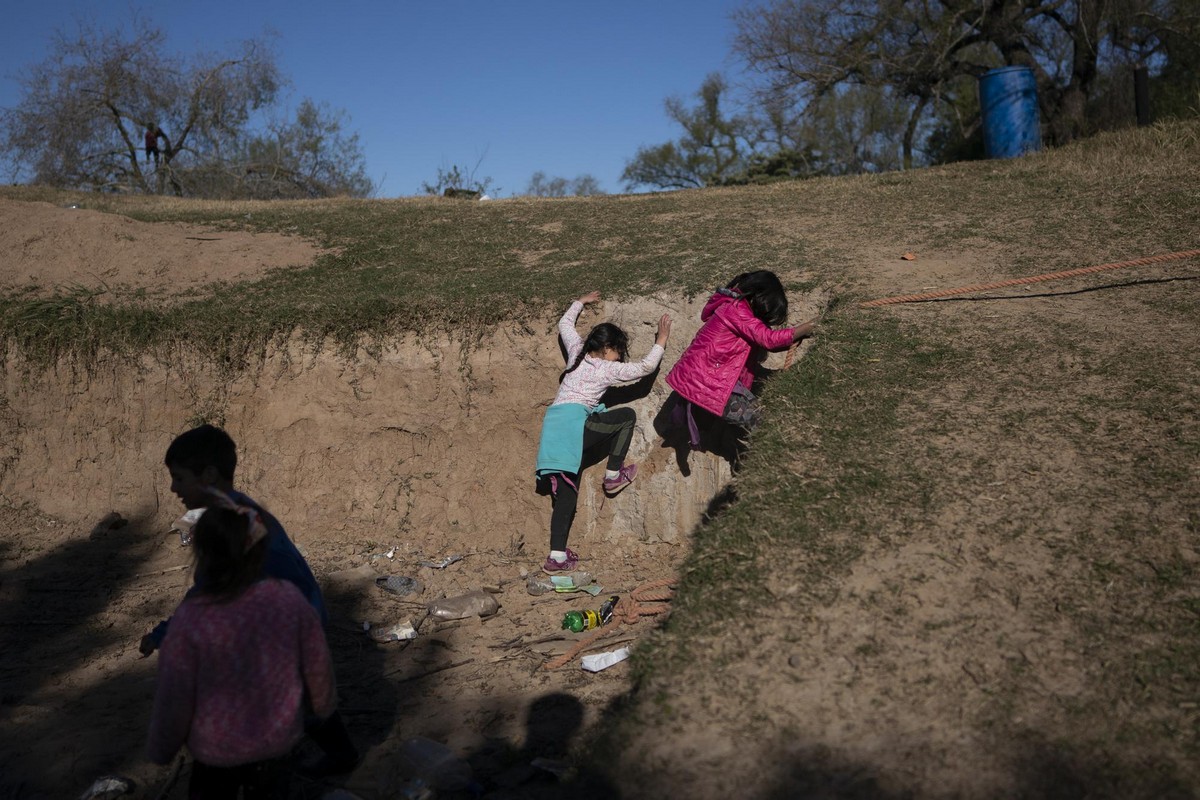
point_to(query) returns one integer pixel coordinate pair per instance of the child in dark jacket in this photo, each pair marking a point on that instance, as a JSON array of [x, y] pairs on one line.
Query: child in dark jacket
[[200, 461], [245, 662]]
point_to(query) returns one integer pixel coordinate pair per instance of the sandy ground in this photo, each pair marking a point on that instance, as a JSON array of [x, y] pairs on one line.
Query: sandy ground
[[50, 247]]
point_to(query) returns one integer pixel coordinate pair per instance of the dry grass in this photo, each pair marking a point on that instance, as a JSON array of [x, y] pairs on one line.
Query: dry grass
[[962, 560]]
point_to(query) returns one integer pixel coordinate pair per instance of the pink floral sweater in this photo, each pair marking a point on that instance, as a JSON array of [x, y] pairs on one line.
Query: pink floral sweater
[[588, 382], [233, 677]]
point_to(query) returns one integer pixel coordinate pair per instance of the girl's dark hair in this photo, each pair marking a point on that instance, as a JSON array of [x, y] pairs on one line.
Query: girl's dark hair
[[764, 292], [224, 567], [603, 335]]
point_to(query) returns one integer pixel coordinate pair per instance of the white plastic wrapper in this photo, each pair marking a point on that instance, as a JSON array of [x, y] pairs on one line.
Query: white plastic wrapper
[[399, 632], [185, 524], [599, 661]]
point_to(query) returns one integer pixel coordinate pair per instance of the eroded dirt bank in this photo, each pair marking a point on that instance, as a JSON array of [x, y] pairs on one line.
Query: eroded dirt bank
[[431, 441], [424, 450]]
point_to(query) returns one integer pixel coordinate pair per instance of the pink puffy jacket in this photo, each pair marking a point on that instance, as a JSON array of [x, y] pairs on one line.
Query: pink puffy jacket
[[718, 356]]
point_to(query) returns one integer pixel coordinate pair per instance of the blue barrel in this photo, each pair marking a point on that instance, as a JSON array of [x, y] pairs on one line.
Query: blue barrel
[[1008, 100]]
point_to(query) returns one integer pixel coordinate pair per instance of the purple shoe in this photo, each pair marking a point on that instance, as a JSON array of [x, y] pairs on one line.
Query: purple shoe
[[624, 478], [568, 564]]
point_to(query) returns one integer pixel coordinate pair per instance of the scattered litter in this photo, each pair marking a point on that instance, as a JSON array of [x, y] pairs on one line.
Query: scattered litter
[[579, 621], [599, 661], [537, 584], [607, 609], [390, 554], [563, 584], [472, 604], [108, 787], [399, 585], [445, 562], [400, 632], [185, 524], [909, 256]]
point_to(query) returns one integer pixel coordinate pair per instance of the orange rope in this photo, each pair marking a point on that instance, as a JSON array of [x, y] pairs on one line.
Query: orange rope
[[647, 600], [1049, 276]]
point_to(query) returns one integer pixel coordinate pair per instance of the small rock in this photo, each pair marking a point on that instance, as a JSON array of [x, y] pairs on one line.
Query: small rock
[[794, 661]]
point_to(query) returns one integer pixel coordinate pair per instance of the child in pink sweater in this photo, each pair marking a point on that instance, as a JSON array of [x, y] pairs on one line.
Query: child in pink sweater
[[245, 660], [576, 421]]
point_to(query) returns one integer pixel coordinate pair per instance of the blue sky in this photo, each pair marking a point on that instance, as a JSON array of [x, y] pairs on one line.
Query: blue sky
[[562, 87]]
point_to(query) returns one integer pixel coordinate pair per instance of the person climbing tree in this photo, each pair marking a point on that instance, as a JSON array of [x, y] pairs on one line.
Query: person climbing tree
[[152, 134]]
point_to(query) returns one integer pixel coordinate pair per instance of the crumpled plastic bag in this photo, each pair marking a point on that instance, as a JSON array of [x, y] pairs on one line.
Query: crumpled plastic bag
[[472, 604], [184, 525], [108, 787]]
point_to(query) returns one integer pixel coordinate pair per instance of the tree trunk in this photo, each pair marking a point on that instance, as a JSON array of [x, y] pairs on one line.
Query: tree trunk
[[910, 130], [1071, 119]]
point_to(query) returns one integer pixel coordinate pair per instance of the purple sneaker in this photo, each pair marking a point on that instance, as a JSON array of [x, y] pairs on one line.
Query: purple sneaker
[[568, 564], [624, 478]]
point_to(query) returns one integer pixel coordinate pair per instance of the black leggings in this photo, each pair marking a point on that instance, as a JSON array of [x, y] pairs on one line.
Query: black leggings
[[614, 427]]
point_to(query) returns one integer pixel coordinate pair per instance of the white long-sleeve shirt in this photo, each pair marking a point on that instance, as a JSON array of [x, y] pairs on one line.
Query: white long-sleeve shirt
[[587, 383]]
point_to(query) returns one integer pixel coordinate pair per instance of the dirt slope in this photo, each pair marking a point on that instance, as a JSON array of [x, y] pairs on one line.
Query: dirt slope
[[423, 451], [1004, 644]]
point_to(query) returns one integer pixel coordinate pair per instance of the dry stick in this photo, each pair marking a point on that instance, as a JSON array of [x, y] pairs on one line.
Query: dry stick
[[427, 673], [518, 643], [162, 571]]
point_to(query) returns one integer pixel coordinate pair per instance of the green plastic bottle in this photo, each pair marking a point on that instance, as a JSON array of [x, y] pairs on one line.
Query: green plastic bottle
[[581, 620]]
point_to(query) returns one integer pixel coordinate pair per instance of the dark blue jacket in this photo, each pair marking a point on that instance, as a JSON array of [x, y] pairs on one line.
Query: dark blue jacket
[[283, 561]]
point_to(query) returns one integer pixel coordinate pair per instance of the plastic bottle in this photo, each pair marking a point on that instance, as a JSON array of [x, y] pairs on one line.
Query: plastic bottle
[[434, 764], [606, 610], [477, 603], [581, 620], [586, 620], [185, 524], [538, 584]]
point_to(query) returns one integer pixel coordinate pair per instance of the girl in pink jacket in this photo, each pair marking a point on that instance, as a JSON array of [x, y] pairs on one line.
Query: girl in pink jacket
[[714, 373], [245, 659]]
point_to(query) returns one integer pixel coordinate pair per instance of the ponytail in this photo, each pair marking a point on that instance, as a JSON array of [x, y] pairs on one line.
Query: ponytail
[[764, 292], [602, 336]]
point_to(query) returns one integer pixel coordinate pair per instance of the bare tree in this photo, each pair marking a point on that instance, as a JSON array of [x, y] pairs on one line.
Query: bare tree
[[920, 50], [713, 147], [85, 111], [460, 181], [541, 185]]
